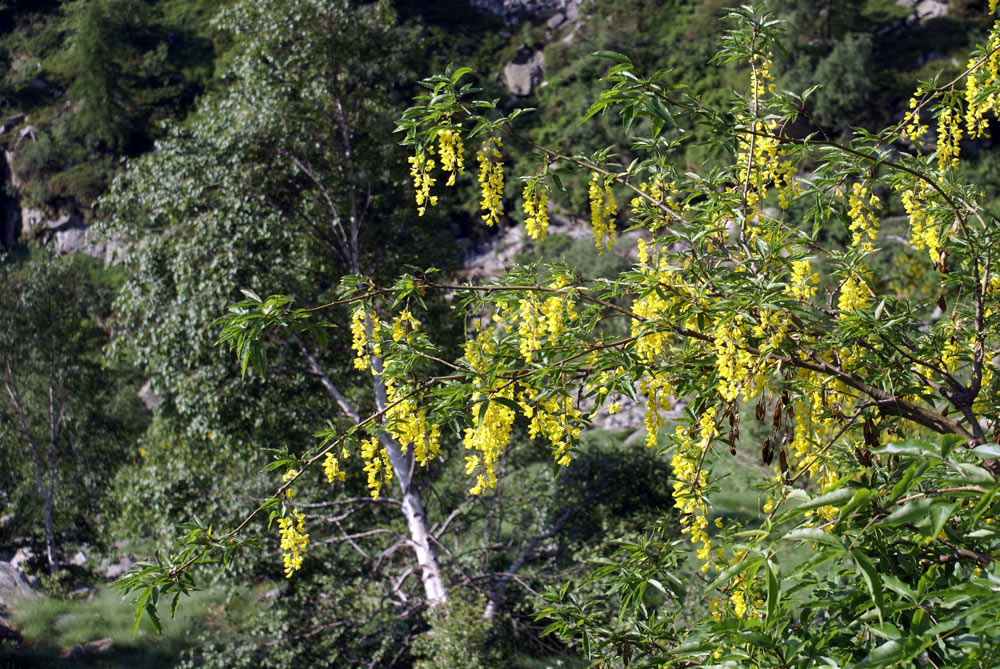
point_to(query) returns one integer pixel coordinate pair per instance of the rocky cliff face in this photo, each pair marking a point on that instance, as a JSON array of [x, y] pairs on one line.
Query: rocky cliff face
[[66, 232], [509, 9]]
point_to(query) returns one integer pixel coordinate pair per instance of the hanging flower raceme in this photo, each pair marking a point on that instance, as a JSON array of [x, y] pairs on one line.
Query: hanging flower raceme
[[536, 214], [294, 541], [802, 284], [491, 180], [983, 76], [603, 210], [494, 419], [924, 232], [420, 169], [691, 477], [854, 296], [362, 322], [861, 211], [377, 465], [949, 136], [451, 149]]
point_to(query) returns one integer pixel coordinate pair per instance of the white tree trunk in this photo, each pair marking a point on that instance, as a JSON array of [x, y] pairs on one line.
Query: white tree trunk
[[402, 468]]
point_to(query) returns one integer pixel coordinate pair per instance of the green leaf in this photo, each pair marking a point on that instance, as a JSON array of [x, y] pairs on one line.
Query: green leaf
[[829, 499], [613, 55], [872, 578], [914, 447], [987, 451], [910, 512], [773, 591], [893, 583], [885, 655], [814, 534]]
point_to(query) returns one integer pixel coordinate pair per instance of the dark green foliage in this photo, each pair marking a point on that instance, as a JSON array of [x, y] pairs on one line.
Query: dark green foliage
[[51, 336]]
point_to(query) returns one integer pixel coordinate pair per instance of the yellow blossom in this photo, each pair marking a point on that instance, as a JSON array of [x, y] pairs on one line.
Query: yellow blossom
[[603, 211], [420, 169], [450, 148], [536, 214], [864, 224], [491, 180], [294, 541]]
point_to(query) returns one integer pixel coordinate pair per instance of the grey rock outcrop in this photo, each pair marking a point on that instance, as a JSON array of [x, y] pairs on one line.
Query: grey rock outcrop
[[150, 397], [13, 585], [509, 9], [10, 213], [521, 75]]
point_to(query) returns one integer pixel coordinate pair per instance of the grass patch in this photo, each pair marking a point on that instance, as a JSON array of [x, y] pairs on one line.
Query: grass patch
[[51, 627]]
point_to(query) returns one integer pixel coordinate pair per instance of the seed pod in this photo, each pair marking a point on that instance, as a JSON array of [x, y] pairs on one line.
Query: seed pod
[[864, 457], [760, 411], [732, 449], [734, 416], [784, 397], [871, 433], [777, 414], [783, 463], [942, 305], [766, 452]]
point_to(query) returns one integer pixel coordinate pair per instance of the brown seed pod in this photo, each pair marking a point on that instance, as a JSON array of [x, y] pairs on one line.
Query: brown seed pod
[[766, 452], [783, 463], [777, 414], [732, 449], [864, 457], [760, 411], [942, 304]]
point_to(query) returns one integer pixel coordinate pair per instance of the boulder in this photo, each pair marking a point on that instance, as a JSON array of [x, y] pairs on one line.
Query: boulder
[[521, 75], [22, 557], [150, 397], [14, 585], [27, 132], [114, 571]]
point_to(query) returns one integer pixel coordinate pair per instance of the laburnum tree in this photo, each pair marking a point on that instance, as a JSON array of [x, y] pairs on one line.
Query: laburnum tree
[[876, 540]]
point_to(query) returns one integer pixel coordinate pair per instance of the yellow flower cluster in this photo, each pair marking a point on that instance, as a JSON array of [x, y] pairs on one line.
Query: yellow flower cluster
[[536, 211], [407, 422], [766, 166], [864, 224], [761, 79], [802, 285], [771, 329], [538, 321], [912, 128], [420, 169], [854, 295], [361, 320], [659, 394], [661, 193], [949, 136], [923, 232], [377, 465], [555, 418], [951, 351], [690, 478], [603, 210], [733, 362], [982, 76], [489, 437], [491, 180], [331, 466], [399, 326], [294, 541], [492, 434], [451, 150], [289, 475]]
